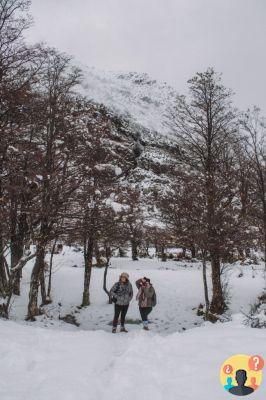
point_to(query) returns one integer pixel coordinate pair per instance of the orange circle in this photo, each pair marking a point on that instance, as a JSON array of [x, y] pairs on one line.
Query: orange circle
[[256, 363], [228, 369]]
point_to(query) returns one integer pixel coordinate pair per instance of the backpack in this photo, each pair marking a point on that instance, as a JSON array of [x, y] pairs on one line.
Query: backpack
[[154, 300]]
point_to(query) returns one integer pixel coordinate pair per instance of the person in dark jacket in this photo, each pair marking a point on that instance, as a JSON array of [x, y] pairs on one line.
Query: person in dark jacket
[[121, 295], [147, 299]]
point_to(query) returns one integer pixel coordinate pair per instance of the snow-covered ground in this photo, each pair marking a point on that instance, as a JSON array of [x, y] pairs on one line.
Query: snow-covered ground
[[178, 285], [41, 364], [50, 359]]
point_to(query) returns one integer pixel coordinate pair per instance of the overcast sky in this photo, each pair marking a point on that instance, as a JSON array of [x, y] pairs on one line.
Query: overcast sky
[[169, 39]]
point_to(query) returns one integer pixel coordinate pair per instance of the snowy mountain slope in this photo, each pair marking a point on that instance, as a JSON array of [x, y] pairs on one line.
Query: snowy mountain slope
[[143, 100], [145, 106]]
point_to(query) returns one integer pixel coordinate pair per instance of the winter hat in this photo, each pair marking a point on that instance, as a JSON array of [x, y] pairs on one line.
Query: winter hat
[[124, 275]]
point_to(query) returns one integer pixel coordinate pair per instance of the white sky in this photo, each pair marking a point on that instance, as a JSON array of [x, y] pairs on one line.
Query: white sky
[[169, 39]]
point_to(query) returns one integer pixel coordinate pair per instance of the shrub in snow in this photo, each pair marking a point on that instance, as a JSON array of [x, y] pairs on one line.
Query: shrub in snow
[[70, 319], [257, 314], [255, 259]]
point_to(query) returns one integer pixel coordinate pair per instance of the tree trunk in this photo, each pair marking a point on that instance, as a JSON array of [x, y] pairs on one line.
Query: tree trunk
[[88, 255], [156, 247], [16, 254], [33, 309], [193, 251], [147, 248], [218, 305], [108, 255], [43, 288], [248, 252], [22, 262], [97, 256], [164, 257], [205, 284], [14, 250], [50, 272], [17, 247], [264, 238], [134, 247], [3, 275]]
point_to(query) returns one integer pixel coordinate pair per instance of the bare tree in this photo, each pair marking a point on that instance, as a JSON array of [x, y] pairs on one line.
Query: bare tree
[[57, 174], [205, 127], [254, 126]]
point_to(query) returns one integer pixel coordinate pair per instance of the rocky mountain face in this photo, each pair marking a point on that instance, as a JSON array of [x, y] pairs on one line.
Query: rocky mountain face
[[143, 108]]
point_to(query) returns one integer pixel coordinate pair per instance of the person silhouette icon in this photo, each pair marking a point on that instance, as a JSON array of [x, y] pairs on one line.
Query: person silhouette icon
[[241, 389], [229, 384], [253, 383]]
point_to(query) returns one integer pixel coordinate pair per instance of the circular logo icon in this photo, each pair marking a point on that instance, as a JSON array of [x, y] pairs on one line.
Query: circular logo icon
[[241, 374]]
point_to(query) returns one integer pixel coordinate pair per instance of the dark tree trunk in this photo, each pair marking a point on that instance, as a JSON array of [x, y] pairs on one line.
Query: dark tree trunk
[[218, 305], [164, 257], [22, 262], [3, 275], [97, 256], [193, 251], [147, 247], [264, 226], [248, 252], [88, 255], [43, 287], [156, 247], [122, 252], [19, 247], [241, 254], [205, 284], [14, 242], [16, 254], [33, 309], [108, 255], [50, 272], [17, 238], [184, 252], [134, 247]]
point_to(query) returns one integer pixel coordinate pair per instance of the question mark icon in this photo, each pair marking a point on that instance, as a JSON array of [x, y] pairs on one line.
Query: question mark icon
[[256, 362]]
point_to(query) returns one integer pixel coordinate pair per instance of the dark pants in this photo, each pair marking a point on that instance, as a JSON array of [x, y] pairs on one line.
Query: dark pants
[[120, 310], [144, 312]]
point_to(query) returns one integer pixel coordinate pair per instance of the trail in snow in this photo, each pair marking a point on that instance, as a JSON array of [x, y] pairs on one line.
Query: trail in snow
[[41, 364]]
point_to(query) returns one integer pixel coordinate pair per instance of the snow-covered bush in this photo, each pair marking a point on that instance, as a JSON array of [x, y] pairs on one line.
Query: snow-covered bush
[[257, 314]]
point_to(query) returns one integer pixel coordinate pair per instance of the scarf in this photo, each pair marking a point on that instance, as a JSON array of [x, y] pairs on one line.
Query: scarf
[[143, 301]]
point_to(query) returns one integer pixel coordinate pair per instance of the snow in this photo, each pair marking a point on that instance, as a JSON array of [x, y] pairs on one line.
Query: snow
[[135, 95], [178, 286], [50, 359], [40, 364]]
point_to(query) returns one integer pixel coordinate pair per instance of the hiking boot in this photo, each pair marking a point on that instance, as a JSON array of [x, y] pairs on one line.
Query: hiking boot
[[123, 329], [146, 328], [114, 330]]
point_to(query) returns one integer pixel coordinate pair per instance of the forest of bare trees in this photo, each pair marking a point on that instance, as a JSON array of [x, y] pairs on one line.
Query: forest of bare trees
[[71, 172]]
